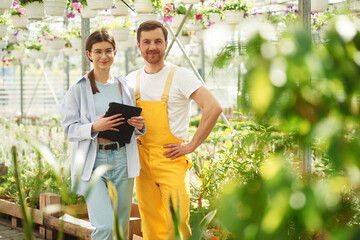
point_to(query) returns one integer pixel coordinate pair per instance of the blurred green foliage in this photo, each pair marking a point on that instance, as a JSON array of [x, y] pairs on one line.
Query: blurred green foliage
[[304, 92]]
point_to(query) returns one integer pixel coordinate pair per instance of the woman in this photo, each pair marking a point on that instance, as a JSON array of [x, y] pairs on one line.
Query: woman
[[83, 109]]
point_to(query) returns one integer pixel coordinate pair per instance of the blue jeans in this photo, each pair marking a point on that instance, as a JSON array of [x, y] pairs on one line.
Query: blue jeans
[[98, 202]]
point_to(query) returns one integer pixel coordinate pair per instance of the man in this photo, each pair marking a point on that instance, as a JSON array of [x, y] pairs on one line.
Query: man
[[165, 91]]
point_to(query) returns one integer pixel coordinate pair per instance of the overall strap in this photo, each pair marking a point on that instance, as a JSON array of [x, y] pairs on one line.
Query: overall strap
[[137, 88], [165, 95]]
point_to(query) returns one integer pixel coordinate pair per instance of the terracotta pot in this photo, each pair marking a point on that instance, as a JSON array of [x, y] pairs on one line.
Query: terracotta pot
[[35, 10]]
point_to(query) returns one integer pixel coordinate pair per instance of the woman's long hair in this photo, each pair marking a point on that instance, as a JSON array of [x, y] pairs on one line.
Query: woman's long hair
[[97, 37]]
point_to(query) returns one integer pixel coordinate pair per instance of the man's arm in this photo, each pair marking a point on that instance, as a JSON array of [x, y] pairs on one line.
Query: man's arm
[[211, 111]]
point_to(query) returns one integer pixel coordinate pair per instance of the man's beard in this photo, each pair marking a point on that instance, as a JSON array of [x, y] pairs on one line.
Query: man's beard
[[153, 60]]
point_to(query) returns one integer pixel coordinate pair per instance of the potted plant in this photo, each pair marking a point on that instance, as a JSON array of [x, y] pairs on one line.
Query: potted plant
[[190, 1], [174, 14], [143, 6], [99, 5], [34, 9], [55, 7], [197, 22], [119, 9], [185, 37], [75, 38], [17, 16], [234, 11], [5, 4], [4, 22], [57, 41], [17, 50], [319, 5], [20, 34], [35, 49], [120, 30], [68, 49], [213, 12]]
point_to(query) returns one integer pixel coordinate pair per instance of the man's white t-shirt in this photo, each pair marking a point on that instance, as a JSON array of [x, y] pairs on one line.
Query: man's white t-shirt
[[184, 83]]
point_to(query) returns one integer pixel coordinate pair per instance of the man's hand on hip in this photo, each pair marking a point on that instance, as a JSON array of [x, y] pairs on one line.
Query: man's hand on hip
[[178, 149]]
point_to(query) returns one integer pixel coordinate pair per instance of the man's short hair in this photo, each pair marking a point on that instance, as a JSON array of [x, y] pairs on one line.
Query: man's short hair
[[151, 25]]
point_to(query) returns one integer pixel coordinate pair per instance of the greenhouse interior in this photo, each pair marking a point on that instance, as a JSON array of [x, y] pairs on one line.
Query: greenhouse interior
[[280, 162]]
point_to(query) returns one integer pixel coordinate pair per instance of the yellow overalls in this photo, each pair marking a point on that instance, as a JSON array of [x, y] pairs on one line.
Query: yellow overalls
[[160, 177]]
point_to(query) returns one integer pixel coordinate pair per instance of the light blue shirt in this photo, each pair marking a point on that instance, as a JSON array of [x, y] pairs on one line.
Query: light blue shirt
[[109, 92], [78, 113]]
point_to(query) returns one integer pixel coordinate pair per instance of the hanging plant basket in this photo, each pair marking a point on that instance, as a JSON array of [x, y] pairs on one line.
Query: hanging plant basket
[[319, 5], [86, 12], [176, 21], [193, 25], [120, 10], [185, 40], [143, 6], [5, 4], [99, 5], [69, 51], [190, 1], [17, 54], [57, 44], [36, 54], [19, 21], [142, 17], [120, 34], [199, 36], [233, 16], [55, 7], [75, 43], [214, 18], [35, 10], [53, 52], [3, 30]]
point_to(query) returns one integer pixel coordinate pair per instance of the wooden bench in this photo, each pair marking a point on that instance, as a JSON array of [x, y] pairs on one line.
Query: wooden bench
[[75, 226], [75, 221]]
